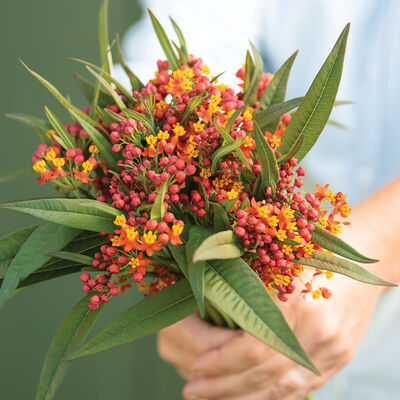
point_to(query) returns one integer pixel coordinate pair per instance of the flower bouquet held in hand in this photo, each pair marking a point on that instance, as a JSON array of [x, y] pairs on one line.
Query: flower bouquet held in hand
[[188, 190]]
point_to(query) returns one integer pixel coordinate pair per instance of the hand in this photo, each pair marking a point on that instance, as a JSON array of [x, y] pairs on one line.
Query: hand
[[221, 364]]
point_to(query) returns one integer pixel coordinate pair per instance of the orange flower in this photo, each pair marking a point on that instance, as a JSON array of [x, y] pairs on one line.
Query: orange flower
[[149, 243]]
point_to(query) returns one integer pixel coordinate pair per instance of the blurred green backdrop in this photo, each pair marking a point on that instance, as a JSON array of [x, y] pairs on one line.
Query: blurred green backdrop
[[43, 33]]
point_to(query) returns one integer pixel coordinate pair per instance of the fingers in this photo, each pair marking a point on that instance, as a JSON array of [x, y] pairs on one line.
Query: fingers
[[241, 353]]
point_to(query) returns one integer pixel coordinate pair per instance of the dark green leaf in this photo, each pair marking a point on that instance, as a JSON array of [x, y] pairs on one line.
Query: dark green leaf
[[292, 151], [231, 121], [182, 41], [235, 289], [11, 243], [333, 263], [248, 71], [69, 336], [100, 141], [75, 213], [76, 257], [148, 316], [269, 167], [276, 90], [223, 151], [63, 137], [164, 42], [221, 220], [195, 270], [250, 95], [190, 106], [331, 242], [147, 122], [265, 117], [313, 113], [31, 255], [105, 51]]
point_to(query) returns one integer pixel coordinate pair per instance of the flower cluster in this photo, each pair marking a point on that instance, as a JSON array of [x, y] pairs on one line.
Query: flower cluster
[[168, 148]]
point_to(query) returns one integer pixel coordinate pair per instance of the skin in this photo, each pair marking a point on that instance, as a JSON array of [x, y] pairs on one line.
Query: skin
[[220, 364]]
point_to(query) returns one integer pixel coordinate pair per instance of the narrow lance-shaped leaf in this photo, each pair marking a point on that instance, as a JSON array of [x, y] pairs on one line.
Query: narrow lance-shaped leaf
[[11, 243], [31, 255], [276, 90], [164, 42], [182, 41], [63, 137], [248, 71], [88, 90], [221, 220], [100, 141], [40, 126], [158, 210], [223, 151], [331, 242], [221, 245], [146, 120], [109, 79], [190, 106], [148, 316], [250, 96], [69, 336], [269, 168], [236, 290], [268, 116], [313, 113], [54, 91], [67, 255], [105, 51], [342, 266], [75, 213], [135, 81], [195, 270]]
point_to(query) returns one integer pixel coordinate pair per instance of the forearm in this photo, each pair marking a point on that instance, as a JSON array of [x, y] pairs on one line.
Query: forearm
[[375, 231]]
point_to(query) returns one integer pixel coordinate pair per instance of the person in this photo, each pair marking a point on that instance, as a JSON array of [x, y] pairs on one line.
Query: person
[[360, 325]]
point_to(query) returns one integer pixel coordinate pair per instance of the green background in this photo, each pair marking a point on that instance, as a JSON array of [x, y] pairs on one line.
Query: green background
[[43, 33]]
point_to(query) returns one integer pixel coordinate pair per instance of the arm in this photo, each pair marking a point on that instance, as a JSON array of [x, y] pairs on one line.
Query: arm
[[242, 368]]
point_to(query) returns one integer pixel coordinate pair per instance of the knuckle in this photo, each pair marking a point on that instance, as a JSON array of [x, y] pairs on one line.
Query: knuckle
[[255, 354]]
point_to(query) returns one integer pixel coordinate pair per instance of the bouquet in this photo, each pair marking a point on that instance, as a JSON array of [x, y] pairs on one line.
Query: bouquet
[[188, 190]]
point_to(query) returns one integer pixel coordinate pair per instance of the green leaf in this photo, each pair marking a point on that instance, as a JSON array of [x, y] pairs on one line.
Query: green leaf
[[11, 243], [31, 255], [158, 210], [248, 71], [164, 42], [276, 90], [69, 336], [63, 137], [75, 213], [231, 121], [223, 151], [291, 152], [40, 126], [150, 315], [250, 95], [54, 91], [108, 79], [338, 124], [195, 270], [179, 255], [19, 173], [339, 265], [313, 113], [219, 246], [67, 255], [331, 242], [135, 81], [100, 141], [88, 90], [110, 90], [146, 121], [268, 116], [113, 116], [221, 220], [182, 41], [190, 106], [235, 289], [105, 51], [269, 168]]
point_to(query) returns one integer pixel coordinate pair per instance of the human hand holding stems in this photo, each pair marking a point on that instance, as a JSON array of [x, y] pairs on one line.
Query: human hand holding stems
[[221, 364]]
